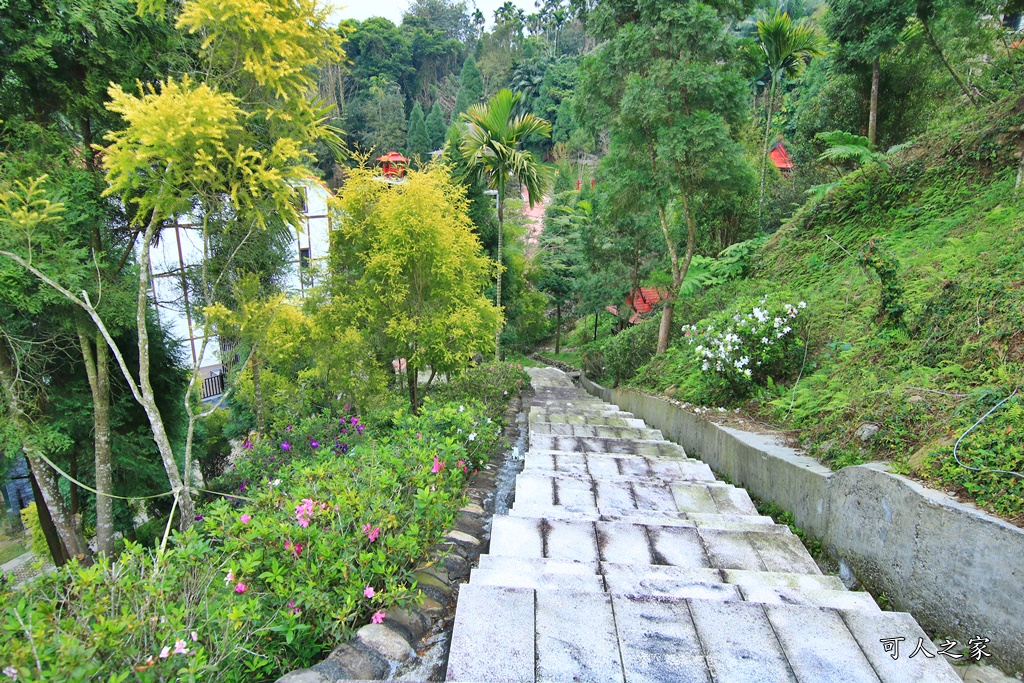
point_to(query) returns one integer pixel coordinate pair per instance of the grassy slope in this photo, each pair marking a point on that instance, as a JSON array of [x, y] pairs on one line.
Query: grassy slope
[[948, 210]]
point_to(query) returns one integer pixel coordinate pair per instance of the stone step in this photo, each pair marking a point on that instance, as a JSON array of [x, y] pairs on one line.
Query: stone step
[[604, 464], [583, 636], [597, 444], [762, 550], [547, 413], [668, 582], [596, 430], [538, 418], [655, 517], [624, 493], [738, 577]]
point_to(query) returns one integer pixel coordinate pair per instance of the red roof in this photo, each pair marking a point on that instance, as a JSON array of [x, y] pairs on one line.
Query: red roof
[[780, 157], [642, 300], [392, 156]]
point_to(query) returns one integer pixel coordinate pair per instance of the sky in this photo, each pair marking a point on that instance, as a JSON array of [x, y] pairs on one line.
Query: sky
[[393, 9]]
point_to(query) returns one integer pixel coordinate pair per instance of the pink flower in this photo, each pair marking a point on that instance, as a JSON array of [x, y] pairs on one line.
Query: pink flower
[[372, 532], [179, 647], [230, 577], [247, 445], [369, 592], [294, 608], [285, 446], [354, 420], [195, 637], [438, 466], [165, 652], [304, 511], [288, 428], [378, 617], [240, 588], [314, 444], [244, 519]]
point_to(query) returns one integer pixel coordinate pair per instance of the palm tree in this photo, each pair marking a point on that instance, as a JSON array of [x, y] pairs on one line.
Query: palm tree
[[786, 47], [490, 142]]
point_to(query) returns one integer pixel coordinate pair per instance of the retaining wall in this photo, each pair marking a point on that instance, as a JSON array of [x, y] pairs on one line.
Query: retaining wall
[[958, 570]]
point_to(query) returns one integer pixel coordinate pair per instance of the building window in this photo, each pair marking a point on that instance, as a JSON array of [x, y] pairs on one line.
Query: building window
[[303, 204], [303, 258]]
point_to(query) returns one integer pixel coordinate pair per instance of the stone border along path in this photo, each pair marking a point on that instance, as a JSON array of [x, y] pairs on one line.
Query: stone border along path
[[624, 560]]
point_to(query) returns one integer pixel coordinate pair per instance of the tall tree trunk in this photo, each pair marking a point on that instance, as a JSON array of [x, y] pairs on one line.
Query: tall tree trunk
[[876, 72], [58, 552], [20, 416], [73, 495], [257, 390], [558, 327], [949, 67], [63, 520], [764, 156], [163, 442], [413, 381], [679, 269], [97, 369], [501, 230]]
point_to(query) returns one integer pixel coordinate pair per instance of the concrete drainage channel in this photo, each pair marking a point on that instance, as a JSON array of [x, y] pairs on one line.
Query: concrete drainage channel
[[412, 645], [958, 570]]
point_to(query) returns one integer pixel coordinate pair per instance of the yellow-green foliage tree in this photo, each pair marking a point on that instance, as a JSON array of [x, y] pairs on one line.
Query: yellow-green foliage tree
[[299, 362], [408, 266], [227, 145]]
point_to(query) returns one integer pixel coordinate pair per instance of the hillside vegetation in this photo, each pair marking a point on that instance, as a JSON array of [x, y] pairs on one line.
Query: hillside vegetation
[[913, 277]]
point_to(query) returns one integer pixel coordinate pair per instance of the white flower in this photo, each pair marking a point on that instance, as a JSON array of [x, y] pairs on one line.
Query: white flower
[[786, 330], [764, 340], [747, 372], [802, 304], [777, 322], [472, 436], [704, 366], [488, 420], [276, 482], [11, 672], [458, 431], [461, 408]]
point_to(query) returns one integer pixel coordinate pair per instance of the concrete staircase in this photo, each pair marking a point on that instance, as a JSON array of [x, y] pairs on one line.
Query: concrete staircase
[[625, 560]]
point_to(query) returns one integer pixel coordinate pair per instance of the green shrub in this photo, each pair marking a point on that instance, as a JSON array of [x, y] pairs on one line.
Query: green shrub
[[630, 349], [728, 357], [36, 540], [490, 384], [268, 582], [212, 448]]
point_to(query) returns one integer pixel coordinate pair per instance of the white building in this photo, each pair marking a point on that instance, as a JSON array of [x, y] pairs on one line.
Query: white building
[[181, 246]]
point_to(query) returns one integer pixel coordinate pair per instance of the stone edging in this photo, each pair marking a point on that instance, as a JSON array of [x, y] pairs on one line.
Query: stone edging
[[376, 648], [958, 570]]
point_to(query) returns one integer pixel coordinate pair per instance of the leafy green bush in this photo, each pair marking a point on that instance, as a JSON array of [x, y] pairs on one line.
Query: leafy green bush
[[627, 351], [334, 518], [730, 356], [36, 540], [490, 384]]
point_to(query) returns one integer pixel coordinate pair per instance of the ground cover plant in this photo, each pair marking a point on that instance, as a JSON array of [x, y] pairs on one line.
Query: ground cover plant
[[326, 519], [911, 272]]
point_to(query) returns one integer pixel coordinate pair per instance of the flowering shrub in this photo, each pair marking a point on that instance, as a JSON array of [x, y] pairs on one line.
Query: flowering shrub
[[490, 383], [746, 347], [324, 541]]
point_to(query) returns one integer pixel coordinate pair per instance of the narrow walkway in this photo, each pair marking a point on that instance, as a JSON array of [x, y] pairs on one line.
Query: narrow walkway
[[624, 560]]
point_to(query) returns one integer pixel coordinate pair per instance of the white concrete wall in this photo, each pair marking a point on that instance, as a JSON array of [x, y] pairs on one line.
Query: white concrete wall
[[958, 570], [182, 246]]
